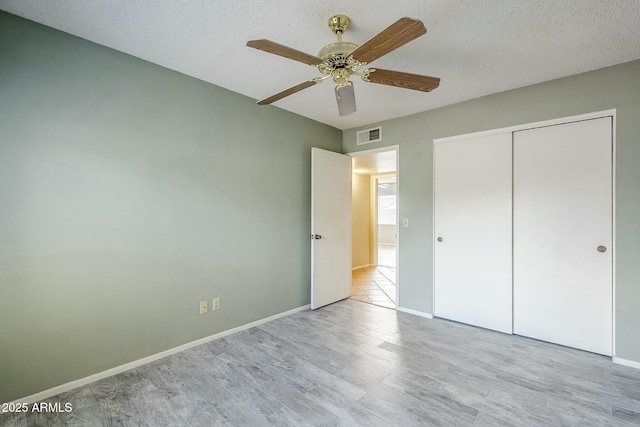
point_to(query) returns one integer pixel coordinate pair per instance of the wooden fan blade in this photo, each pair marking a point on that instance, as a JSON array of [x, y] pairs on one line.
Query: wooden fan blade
[[404, 80], [284, 51], [287, 92], [398, 34]]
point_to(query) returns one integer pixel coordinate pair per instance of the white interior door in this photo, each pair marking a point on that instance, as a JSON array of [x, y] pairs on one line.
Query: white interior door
[[562, 218], [330, 227], [472, 257]]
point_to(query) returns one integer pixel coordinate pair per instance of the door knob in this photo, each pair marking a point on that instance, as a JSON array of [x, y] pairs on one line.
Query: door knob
[[440, 239], [318, 237], [602, 248]]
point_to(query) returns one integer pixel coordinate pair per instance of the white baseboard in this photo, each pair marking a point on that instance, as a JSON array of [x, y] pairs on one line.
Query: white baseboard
[[127, 366], [416, 312], [625, 362], [361, 266]]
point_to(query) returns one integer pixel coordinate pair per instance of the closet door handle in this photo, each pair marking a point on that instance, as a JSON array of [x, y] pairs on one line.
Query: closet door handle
[[440, 239], [602, 249]]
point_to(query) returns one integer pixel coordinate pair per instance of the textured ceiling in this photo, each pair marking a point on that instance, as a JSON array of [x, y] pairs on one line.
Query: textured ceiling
[[475, 47]]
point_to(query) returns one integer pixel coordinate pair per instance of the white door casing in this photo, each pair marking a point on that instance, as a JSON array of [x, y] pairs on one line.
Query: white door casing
[[330, 227], [472, 214], [562, 214]]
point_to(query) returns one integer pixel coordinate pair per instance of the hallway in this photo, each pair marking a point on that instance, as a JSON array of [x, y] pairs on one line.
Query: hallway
[[377, 285]]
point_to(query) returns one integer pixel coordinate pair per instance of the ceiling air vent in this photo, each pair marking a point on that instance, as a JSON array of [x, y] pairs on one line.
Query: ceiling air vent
[[368, 136]]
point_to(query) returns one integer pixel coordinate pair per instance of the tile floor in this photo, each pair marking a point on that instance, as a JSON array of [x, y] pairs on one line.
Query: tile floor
[[377, 285], [374, 285]]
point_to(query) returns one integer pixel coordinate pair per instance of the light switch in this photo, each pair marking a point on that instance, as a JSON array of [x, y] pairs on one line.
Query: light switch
[[204, 306], [405, 222]]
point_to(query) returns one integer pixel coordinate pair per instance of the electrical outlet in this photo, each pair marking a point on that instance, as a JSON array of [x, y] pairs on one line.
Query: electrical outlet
[[215, 304], [204, 306]]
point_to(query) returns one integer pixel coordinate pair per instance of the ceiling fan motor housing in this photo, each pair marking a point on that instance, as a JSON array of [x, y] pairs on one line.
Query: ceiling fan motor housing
[[337, 50], [337, 61]]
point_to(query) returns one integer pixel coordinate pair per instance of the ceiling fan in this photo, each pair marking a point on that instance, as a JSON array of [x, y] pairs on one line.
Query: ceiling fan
[[341, 60]]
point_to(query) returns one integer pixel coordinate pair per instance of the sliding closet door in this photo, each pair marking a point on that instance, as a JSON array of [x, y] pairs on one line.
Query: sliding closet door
[[563, 233], [472, 258]]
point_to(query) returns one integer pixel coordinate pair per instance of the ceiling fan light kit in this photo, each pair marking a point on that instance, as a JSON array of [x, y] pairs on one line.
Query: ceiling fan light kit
[[346, 98], [341, 60]]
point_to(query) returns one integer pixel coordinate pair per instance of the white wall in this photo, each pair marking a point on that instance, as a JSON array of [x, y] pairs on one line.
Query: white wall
[[386, 234]]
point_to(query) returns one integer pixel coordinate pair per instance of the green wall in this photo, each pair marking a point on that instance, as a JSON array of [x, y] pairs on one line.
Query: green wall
[[614, 87], [128, 193]]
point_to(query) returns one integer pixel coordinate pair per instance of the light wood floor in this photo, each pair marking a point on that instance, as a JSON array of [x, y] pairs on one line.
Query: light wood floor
[[357, 364]]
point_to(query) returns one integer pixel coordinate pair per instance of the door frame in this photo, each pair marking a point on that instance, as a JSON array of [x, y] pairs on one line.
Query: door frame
[[563, 120], [374, 204]]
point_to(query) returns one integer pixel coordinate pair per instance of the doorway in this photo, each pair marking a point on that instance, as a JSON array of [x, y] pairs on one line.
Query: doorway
[[386, 220], [375, 227]]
